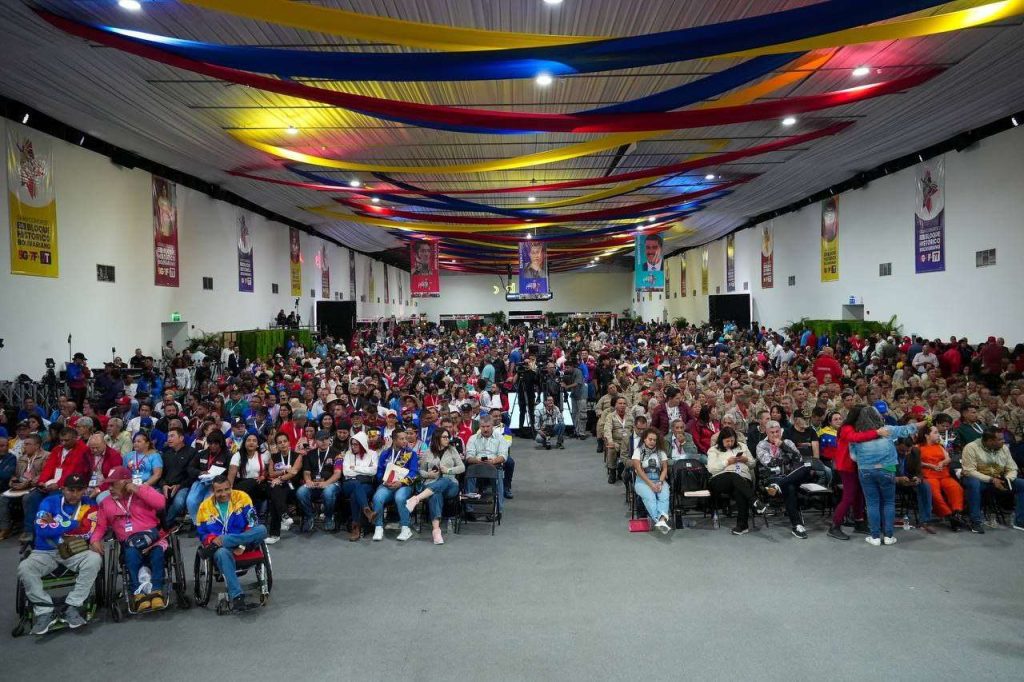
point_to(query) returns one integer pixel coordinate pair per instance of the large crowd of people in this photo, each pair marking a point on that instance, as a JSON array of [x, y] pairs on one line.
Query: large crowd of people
[[341, 435]]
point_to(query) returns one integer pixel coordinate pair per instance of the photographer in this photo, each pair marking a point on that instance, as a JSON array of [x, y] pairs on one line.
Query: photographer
[[78, 374], [549, 424]]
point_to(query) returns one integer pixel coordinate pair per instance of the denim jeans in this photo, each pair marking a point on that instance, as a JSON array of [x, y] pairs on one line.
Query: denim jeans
[[134, 560], [974, 488], [510, 469], [443, 488], [176, 505], [923, 491], [305, 495], [790, 485], [225, 558], [471, 486], [196, 494], [384, 495], [556, 431], [358, 495], [656, 503], [879, 488]]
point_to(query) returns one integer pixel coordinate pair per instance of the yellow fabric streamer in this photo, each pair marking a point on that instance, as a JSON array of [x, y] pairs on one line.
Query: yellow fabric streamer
[[439, 37], [383, 29]]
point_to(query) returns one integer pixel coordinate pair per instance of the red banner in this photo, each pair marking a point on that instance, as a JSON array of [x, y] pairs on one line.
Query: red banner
[[165, 233], [425, 281]]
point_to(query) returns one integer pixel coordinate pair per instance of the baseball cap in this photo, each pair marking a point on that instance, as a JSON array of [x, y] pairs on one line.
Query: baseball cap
[[124, 400], [343, 424], [238, 421], [119, 474], [74, 481], [81, 356], [323, 434]]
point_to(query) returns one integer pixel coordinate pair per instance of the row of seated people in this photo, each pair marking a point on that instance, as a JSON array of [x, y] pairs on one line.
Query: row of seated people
[[71, 527], [870, 460]]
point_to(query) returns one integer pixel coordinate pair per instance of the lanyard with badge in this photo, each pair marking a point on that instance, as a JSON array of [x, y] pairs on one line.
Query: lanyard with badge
[[137, 469], [127, 513], [282, 465], [320, 464], [60, 465]]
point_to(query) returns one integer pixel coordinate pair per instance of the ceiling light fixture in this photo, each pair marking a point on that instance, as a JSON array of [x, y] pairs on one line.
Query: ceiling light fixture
[[709, 176], [651, 219], [292, 130], [789, 120], [544, 79], [552, 2], [531, 199], [529, 236], [375, 200], [24, 119], [354, 183], [861, 71], [130, 5], [1013, 120]]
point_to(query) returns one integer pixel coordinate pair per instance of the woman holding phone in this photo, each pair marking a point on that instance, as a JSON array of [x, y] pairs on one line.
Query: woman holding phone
[[650, 461]]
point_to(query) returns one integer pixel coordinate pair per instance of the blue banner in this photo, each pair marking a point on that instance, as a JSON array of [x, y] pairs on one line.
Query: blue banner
[[648, 272]]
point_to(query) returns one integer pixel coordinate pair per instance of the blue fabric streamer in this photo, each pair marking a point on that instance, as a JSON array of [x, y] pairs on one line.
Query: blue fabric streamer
[[604, 55]]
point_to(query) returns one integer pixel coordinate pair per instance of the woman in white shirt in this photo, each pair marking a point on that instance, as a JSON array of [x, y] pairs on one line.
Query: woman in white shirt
[[650, 462], [729, 463], [249, 468], [358, 468], [439, 465]]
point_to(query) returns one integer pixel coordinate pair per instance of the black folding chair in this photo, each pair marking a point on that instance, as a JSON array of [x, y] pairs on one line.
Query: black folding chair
[[482, 500]]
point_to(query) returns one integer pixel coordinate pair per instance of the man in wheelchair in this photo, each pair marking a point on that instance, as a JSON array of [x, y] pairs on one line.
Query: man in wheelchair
[[227, 525], [133, 513], [63, 524]]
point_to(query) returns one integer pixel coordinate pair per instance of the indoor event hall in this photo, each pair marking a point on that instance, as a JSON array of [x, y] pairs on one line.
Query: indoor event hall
[[512, 340]]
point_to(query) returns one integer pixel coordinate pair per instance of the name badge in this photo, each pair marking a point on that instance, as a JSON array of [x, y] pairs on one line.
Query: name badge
[[94, 481], [128, 526], [319, 477], [136, 479], [279, 466]]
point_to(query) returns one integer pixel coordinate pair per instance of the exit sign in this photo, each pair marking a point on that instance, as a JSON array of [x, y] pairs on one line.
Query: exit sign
[[175, 317]]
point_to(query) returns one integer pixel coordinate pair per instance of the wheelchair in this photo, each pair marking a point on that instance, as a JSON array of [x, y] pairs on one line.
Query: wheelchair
[[62, 579], [205, 572], [119, 596]]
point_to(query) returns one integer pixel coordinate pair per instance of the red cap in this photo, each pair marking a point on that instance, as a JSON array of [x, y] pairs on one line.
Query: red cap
[[917, 409], [119, 474]]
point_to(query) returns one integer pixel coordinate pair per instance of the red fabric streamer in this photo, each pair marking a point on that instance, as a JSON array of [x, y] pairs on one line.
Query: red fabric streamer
[[426, 114]]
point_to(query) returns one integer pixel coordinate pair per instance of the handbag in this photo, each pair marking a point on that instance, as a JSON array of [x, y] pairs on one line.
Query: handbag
[[365, 478], [70, 546], [142, 540], [639, 525], [394, 473]]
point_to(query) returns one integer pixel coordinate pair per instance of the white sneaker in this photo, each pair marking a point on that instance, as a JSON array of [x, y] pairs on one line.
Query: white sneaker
[[889, 541], [378, 533], [874, 542], [286, 522], [663, 526], [405, 534], [272, 539]]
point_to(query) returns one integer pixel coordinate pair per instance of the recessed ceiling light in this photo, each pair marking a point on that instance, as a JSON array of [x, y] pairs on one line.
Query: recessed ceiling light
[[651, 219], [354, 183], [529, 236], [552, 2], [375, 200], [292, 130], [861, 71], [24, 119], [1013, 120], [709, 176], [131, 5], [544, 79], [789, 120], [531, 199]]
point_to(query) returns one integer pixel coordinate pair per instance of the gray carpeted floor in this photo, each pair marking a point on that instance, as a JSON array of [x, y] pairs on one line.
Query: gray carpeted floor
[[563, 591]]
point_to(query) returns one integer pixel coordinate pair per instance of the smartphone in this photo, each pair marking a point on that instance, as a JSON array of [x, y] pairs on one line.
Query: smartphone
[[484, 458]]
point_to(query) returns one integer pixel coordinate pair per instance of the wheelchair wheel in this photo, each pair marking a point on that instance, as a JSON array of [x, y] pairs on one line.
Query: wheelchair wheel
[[24, 612], [111, 573], [176, 571], [202, 580], [116, 612]]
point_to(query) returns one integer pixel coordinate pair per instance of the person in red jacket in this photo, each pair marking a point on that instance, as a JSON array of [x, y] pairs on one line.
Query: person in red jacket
[[103, 460], [847, 470], [704, 428], [826, 365], [951, 361], [669, 410], [70, 457]]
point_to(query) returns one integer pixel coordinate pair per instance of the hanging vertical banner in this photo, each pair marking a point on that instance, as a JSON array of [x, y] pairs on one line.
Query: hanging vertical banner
[[371, 285], [165, 232], [295, 260], [33, 203], [668, 281], [767, 256], [387, 285], [401, 288], [245, 278], [682, 275], [424, 281], [704, 271], [533, 269], [730, 263], [830, 239], [648, 274], [930, 216], [351, 275], [325, 272]]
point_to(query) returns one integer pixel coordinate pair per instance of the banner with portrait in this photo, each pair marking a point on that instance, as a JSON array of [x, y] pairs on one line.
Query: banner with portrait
[[730, 263], [351, 275], [165, 233], [682, 276], [533, 268], [401, 288], [295, 260], [930, 216], [648, 269], [245, 274], [325, 272], [830, 239], [767, 256], [704, 258], [424, 280], [32, 203], [668, 280]]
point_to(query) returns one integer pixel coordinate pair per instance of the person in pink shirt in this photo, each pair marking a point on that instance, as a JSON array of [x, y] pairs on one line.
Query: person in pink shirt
[[133, 513]]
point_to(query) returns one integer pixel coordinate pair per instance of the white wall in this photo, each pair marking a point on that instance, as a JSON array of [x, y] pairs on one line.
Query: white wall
[[104, 216], [984, 209], [573, 292]]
